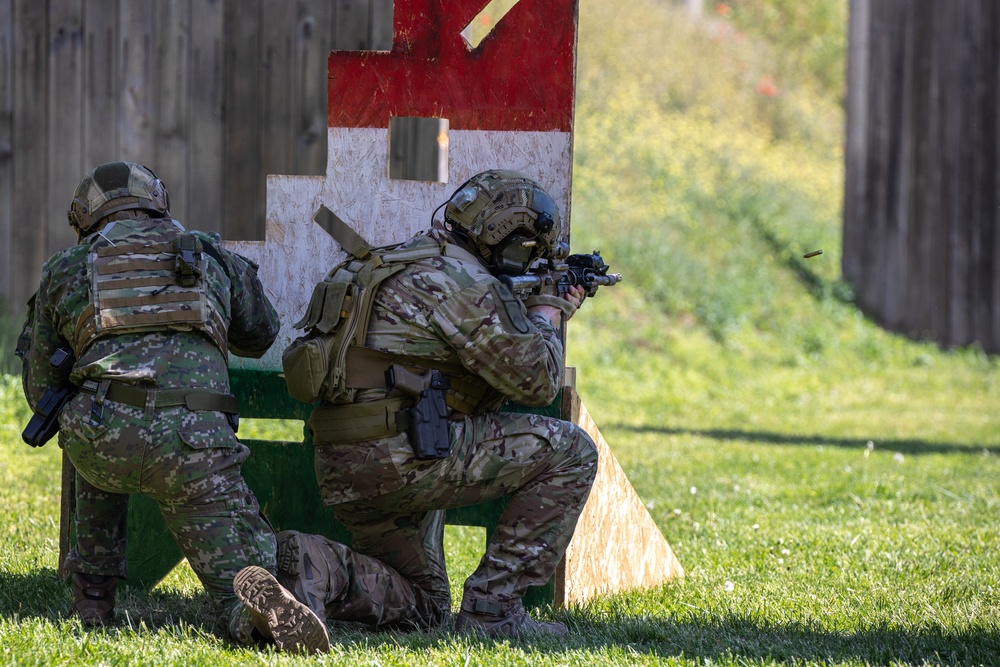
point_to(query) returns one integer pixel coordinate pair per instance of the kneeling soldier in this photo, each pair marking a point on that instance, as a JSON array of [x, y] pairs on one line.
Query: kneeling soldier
[[150, 311], [412, 350]]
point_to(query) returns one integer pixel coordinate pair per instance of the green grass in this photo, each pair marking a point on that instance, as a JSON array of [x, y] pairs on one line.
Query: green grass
[[830, 489]]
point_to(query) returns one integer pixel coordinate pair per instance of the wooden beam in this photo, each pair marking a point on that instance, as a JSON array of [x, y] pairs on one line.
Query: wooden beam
[[30, 123], [7, 249]]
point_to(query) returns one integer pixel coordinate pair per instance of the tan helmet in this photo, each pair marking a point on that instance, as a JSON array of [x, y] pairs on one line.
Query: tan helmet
[[509, 218], [113, 187]]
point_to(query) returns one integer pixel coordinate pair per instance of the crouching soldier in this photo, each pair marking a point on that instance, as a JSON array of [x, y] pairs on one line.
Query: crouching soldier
[[150, 311], [412, 349]]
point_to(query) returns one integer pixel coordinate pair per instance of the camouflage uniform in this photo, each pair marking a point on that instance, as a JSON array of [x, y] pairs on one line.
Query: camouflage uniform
[[187, 460], [452, 311]]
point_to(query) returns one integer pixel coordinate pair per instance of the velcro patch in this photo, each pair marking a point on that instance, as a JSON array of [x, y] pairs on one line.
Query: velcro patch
[[510, 309]]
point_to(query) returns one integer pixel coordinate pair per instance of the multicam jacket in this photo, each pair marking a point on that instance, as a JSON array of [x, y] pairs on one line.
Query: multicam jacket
[[181, 354], [448, 310]]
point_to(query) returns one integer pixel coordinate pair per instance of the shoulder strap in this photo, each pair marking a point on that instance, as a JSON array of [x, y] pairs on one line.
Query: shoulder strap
[[342, 233]]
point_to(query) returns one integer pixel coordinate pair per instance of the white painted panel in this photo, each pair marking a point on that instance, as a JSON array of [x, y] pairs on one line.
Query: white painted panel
[[296, 253]]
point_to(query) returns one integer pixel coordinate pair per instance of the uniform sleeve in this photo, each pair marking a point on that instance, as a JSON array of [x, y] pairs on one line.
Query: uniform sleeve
[[254, 323], [38, 342], [520, 357]]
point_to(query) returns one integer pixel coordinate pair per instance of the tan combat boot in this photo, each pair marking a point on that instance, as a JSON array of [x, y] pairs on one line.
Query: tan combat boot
[[94, 598], [312, 567], [504, 620], [277, 615]]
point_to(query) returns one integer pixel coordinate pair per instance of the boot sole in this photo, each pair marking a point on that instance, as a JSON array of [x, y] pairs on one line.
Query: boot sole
[[288, 554], [293, 625]]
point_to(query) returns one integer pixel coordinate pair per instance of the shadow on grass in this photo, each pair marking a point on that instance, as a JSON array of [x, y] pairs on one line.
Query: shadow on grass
[[737, 639], [763, 437], [44, 595], [745, 639]]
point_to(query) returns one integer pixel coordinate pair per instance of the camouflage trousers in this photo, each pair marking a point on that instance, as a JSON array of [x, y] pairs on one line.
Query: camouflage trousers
[[189, 464], [396, 567]]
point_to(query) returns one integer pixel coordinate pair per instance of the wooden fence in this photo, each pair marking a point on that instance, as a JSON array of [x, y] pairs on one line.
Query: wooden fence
[[213, 95], [922, 200]]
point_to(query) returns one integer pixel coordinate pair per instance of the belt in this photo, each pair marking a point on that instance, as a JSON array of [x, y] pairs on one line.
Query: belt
[[355, 422], [137, 397]]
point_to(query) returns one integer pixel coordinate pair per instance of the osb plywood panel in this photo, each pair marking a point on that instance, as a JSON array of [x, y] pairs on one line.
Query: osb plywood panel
[[616, 546], [297, 253]]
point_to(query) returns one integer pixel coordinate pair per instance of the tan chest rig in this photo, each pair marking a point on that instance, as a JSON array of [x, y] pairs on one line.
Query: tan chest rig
[[150, 278], [331, 362]]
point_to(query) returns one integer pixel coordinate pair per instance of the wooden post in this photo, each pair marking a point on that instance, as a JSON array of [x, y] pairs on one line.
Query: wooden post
[[922, 202]]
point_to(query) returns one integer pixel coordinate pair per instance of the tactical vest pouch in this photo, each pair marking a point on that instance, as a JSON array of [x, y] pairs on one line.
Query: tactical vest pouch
[[330, 303], [309, 362], [187, 260], [306, 365], [336, 320]]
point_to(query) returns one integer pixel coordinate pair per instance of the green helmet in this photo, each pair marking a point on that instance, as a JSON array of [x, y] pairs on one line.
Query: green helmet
[[113, 187], [508, 217]]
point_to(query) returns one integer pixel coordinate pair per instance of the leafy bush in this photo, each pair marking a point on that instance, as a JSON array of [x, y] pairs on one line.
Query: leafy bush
[[686, 179], [809, 38]]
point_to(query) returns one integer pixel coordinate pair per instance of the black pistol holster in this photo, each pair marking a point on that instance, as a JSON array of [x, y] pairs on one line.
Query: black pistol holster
[[45, 422], [427, 421]]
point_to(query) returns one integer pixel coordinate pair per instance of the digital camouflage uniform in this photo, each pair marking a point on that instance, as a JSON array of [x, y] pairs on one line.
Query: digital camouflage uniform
[[187, 460], [450, 310]]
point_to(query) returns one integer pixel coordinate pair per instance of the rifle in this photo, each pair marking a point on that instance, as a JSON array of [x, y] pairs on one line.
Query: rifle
[[555, 276], [45, 422]]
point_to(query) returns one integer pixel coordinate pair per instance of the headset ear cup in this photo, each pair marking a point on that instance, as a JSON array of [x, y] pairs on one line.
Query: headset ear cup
[[79, 214], [514, 255], [160, 196]]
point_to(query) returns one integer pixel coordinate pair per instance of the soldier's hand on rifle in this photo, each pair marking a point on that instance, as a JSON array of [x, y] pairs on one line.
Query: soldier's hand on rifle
[[557, 312]]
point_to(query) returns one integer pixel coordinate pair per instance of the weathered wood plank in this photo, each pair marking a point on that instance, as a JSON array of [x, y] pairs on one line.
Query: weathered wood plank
[[30, 124], [936, 204], [921, 186], [856, 174], [278, 97], [898, 267], [415, 151], [137, 110], [380, 29], [313, 39], [926, 293], [993, 81], [7, 249], [986, 100], [207, 104], [953, 168], [243, 206], [871, 293], [101, 101], [353, 25], [171, 93], [65, 90]]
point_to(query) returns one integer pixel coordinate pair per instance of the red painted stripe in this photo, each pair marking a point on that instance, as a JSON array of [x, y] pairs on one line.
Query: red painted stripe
[[521, 77]]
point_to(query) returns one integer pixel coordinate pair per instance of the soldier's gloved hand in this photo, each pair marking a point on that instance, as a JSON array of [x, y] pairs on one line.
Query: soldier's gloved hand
[[553, 307]]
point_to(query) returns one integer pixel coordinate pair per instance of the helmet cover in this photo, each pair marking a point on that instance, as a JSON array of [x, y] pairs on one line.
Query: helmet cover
[[509, 217], [113, 187]]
